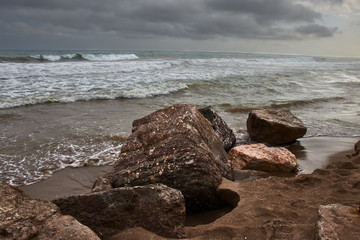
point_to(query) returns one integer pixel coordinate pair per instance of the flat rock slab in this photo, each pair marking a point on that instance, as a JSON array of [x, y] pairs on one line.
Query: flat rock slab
[[274, 127], [338, 222], [262, 158], [24, 218], [178, 147], [155, 207]]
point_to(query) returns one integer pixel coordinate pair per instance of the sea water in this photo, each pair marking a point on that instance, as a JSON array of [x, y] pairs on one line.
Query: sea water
[[75, 108]]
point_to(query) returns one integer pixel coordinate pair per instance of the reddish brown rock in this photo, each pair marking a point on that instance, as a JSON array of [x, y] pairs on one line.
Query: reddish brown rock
[[24, 218], [338, 222], [155, 207], [220, 127], [262, 158], [175, 146], [275, 127]]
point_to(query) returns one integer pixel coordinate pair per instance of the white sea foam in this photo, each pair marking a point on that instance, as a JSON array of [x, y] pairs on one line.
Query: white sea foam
[[19, 172], [90, 57], [32, 83], [52, 58], [109, 57]]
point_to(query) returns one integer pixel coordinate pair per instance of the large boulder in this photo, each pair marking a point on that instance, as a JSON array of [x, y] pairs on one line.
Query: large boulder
[[220, 127], [24, 218], [274, 127], [155, 207], [262, 158], [338, 222], [175, 146]]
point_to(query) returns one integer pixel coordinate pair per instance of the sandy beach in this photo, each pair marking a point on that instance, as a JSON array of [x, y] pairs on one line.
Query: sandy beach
[[278, 208], [269, 208]]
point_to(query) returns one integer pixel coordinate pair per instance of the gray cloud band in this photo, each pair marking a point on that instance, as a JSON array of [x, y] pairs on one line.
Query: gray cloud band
[[195, 19]]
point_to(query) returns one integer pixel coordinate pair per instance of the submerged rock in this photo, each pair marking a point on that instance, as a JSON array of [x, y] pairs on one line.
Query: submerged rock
[[24, 218], [220, 127], [338, 222], [175, 146], [275, 127], [262, 158], [155, 207]]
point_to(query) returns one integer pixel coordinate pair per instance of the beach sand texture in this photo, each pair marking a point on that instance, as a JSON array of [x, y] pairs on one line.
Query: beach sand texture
[[269, 208]]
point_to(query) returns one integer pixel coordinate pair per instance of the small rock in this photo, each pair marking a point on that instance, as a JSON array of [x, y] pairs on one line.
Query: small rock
[[155, 207], [24, 218], [262, 158], [338, 222], [275, 127], [101, 184], [357, 148], [220, 127]]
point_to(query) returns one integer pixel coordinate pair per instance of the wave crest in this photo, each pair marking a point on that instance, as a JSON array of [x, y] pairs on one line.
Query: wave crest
[[70, 57]]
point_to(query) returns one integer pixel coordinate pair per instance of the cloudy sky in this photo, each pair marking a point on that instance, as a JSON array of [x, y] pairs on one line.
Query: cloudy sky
[[310, 27]]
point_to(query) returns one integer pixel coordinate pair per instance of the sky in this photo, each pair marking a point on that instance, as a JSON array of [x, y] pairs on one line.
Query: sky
[[306, 27]]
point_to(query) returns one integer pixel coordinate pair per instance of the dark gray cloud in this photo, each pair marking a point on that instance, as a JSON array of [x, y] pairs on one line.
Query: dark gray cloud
[[265, 11], [328, 2], [148, 19], [316, 30]]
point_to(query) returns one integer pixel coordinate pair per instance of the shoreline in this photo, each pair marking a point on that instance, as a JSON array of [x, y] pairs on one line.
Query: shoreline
[[269, 208], [311, 153]]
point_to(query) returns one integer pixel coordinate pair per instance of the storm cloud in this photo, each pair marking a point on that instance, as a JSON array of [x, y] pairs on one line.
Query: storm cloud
[[316, 30], [148, 19]]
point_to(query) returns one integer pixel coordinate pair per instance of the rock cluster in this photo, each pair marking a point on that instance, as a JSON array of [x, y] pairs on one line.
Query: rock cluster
[[274, 127], [175, 146], [24, 218], [172, 163]]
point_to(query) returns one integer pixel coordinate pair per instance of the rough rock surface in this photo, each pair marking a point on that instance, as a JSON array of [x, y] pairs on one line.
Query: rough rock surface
[[220, 127], [338, 222], [101, 184], [24, 218], [357, 148], [262, 158], [278, 208], [275, 127], [155, 207], [175, 146]]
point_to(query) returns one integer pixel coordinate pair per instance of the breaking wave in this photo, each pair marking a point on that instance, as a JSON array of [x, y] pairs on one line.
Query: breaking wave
[[70, 57]]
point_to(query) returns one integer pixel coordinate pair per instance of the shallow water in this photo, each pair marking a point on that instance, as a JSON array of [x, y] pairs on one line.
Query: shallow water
[[62, 111]]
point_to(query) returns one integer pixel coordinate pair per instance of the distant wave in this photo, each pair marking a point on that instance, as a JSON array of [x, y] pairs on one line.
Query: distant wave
[[296, 103], [70, 57]]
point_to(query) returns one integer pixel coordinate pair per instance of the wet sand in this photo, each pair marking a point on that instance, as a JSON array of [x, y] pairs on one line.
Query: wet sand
[[66, 182]]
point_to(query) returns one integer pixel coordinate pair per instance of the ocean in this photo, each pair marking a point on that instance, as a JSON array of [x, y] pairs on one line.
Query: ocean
[[67, 108]]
